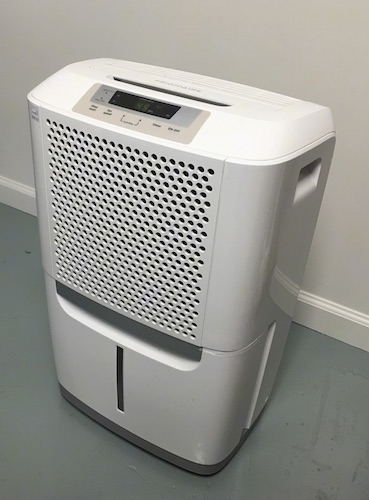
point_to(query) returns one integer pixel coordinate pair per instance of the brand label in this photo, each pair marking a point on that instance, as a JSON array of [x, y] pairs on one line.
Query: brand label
[[179, 85], [34, 112]]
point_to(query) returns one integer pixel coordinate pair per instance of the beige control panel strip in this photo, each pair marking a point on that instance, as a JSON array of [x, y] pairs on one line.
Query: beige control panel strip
[[139, 122]]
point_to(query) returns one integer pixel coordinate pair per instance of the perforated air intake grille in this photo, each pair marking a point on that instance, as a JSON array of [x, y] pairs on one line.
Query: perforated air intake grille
[[132, 230]]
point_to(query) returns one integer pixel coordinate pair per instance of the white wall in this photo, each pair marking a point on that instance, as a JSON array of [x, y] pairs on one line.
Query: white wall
[[316, 50]]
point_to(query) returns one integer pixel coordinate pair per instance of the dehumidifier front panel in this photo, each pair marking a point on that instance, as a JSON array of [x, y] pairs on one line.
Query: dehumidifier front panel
[[132, 223]]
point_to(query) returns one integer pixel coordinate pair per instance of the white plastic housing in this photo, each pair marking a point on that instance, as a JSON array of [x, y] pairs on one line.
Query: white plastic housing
[[174, 248]]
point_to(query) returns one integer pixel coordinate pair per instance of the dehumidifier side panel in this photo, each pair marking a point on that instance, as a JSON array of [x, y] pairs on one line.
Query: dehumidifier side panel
[[303, 187], [35, 116], [244, 254], [269, 362]]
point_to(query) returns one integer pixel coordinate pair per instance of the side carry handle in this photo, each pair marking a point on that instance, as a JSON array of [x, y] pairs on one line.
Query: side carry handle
[[308, 179]]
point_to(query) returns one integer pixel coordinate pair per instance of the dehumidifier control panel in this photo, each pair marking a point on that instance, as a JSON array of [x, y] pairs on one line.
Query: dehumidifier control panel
[[141, 113]]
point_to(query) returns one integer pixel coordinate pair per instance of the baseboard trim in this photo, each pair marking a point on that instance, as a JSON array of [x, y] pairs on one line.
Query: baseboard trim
[[332, 319], [18, 195]]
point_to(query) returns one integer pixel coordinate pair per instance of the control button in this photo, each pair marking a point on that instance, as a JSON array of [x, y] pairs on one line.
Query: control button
[[172, 129], [127, 122]]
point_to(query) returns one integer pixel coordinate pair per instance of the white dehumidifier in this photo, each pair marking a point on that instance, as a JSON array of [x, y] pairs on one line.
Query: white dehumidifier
[[176, 214]]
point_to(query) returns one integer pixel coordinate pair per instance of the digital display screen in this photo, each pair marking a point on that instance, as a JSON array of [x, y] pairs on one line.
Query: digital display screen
[[144, 105]]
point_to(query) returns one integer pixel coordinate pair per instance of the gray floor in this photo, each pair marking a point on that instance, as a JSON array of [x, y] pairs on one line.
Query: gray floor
[[312, 441]]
